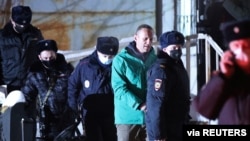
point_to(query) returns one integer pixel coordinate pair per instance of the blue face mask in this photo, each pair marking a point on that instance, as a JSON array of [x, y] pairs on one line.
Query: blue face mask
[[105, 61]]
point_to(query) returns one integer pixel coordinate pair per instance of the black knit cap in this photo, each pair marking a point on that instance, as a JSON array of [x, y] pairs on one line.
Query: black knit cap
[[234, 30], [21, 15], [46, 45], [171, 37], [107, 45]]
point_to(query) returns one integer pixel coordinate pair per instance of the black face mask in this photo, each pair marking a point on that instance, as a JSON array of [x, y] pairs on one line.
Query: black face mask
[[176, 54], [50, 65], [19, 29]]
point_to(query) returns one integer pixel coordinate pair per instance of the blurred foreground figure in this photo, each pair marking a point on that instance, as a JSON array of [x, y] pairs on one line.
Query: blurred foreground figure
[[226, 96]]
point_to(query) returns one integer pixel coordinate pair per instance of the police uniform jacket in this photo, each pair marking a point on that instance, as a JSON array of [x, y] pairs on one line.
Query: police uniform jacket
[[168, 98], [17, 53], [90, 86], [39, 81], [227, 100]]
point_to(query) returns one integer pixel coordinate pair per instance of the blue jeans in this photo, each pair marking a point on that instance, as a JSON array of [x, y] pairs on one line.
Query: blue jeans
[[131, 132]]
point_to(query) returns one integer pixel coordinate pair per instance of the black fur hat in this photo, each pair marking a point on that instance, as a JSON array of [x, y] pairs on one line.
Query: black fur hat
[[21, 15], [46, 45], [107, 45], [171, 37], [235, 30]]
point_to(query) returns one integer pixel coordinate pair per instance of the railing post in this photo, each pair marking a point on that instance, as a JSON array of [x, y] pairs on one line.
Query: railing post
[[207, 59], [188, 54]]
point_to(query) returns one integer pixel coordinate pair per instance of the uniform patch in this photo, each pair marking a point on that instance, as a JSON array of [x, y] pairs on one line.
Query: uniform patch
[[86, 83], [158, 83]]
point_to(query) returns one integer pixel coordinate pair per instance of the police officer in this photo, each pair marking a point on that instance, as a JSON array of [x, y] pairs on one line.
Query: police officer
[[90, 85], [168, 97], [47, 84], [17, 50]]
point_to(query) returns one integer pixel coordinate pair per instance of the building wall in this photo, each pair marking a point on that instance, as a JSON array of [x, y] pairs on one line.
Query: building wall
[[75, 24]]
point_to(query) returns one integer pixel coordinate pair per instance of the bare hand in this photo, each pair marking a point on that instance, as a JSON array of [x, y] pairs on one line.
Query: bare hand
[[227, 64], [143, 107]]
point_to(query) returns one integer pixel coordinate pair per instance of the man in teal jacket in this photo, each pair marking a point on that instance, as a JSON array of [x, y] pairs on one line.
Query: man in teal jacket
[[129, 83]]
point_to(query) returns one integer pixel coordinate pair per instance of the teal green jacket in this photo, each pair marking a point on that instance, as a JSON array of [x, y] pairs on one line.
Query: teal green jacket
[[129, 83]]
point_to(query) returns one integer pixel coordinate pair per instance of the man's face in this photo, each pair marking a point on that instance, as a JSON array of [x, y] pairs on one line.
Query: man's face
[[47, 55], [48, 58], [172, 47], [174, 51], [241, 50], [144, 39], [105, 58]]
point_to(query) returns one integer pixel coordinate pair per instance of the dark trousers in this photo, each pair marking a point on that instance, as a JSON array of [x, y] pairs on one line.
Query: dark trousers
[[174, 131], [100, 128]]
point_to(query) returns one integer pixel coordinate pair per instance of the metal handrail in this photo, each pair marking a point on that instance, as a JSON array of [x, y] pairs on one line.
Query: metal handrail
[[73, 56], [191, 41], [209, 44]]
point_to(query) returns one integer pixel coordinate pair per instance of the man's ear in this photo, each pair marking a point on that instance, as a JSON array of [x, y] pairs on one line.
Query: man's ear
[[39, 57], [135, 37]]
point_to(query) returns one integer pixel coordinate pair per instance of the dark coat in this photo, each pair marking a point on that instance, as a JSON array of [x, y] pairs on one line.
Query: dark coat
[[17, 53], [39, 81], [90, 85], [168, 97], [227, 100]]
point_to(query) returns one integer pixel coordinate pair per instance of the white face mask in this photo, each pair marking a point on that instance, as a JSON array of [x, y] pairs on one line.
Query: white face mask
[[105, 60]]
